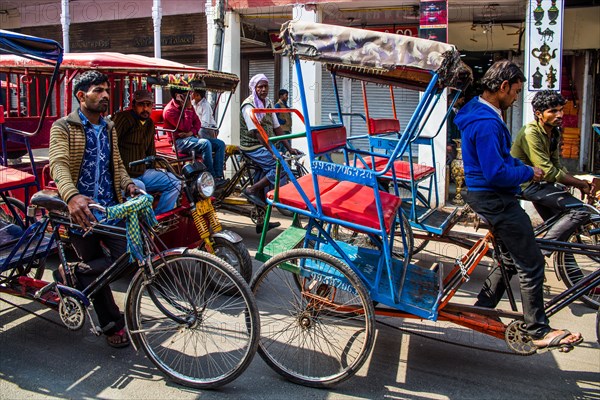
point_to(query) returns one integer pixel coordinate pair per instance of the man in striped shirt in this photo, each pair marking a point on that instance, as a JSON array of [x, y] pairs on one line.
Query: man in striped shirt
[[135, 131]]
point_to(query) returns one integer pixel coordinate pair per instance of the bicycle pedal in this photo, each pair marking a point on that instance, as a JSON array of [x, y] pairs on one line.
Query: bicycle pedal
[[96, 331]]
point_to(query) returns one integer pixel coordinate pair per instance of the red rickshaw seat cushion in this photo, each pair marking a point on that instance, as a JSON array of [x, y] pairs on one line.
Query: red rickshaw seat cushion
[[402, 168], [328, 138], [289, 195], [378, 126], [11, 177]]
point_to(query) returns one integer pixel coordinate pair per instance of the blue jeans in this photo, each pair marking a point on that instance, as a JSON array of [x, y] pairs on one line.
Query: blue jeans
[[263, 158], [205, 147], [163, 182]]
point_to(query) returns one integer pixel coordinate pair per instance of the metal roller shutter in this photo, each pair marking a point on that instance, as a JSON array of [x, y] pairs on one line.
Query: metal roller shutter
[[328, 101], [380, 105], [266, 67]]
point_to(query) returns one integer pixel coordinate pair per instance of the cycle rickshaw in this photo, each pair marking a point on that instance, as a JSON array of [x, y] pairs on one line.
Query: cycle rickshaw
[[320, 329], [194, 223]]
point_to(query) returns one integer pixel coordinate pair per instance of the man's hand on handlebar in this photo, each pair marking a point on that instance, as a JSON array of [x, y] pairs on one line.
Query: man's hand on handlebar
[[132, 190], [294, 152], [80, 211], [538, 174]]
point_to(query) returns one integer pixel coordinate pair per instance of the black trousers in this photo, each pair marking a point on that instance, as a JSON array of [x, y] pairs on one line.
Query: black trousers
[[548, 201], [90, 252], [512, 230]]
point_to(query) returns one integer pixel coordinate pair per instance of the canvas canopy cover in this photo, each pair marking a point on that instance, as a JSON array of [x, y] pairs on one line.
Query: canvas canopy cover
[[365, 54]]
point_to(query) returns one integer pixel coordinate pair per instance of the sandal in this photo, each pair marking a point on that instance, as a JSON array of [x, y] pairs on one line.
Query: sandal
[[555, 342], [118, 339]]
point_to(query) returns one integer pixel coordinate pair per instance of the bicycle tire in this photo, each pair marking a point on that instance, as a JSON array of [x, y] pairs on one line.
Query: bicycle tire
[[318, 334], [39, 266], [598, 326], [573, 267], [7, 216], [195, 334]]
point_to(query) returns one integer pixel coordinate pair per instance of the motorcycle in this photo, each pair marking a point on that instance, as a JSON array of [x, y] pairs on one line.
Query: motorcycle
[[194, 221]]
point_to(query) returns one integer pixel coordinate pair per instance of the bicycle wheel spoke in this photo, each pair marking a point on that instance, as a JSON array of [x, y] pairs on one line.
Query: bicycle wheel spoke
[[191, 329]]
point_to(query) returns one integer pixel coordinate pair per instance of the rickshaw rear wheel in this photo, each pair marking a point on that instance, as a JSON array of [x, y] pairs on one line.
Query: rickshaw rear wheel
[[573, 267], [38, 266], [317, 318]]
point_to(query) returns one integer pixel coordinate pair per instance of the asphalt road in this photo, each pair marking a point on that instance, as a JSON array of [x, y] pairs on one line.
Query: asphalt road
[[426, 360]]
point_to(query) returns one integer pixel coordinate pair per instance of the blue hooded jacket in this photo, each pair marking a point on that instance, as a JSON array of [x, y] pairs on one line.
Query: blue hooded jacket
[[486, 155]]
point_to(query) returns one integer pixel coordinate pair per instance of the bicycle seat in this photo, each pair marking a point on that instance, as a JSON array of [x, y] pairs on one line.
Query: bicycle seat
[[50, 200]]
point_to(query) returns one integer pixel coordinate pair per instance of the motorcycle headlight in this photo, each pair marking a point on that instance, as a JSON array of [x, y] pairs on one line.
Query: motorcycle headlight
[[205, 184]]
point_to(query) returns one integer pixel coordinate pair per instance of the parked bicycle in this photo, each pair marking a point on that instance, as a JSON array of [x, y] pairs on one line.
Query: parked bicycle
[[191, 313]]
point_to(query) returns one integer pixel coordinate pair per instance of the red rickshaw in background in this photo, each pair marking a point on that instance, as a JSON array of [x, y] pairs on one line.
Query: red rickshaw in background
[[35, 94]]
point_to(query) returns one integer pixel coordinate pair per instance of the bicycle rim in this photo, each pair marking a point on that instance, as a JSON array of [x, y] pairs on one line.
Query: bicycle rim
[[573, 267], [313, 333], [192, 331]]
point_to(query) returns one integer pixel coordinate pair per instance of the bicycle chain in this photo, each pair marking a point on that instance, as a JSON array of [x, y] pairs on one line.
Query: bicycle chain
[[411, 332], [33, 312]]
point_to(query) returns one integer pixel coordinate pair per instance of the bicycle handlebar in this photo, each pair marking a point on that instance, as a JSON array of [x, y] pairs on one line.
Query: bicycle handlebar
[[152, 159], [147, 160], [98, 207]]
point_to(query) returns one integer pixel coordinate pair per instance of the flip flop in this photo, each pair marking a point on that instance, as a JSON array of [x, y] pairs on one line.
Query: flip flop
[[555, 342], [123, 339]]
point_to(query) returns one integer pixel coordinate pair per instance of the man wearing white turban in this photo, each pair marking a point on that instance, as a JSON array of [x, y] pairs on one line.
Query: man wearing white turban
[[252, 143]]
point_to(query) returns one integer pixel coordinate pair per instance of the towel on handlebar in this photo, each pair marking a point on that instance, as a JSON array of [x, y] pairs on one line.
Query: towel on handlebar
[[130, 211]]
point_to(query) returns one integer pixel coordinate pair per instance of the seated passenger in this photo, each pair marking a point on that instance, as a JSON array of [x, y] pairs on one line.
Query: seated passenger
[[537, 145], [252, 143], [186, 136], [135, 131]]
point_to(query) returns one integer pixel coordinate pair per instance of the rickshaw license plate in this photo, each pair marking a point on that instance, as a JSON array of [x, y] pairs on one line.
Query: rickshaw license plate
[[204, 207]]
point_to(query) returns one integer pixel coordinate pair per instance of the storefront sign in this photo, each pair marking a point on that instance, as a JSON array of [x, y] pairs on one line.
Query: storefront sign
[[165, 40], [397, 29], [545, 44], [434, 20], [97, 44]]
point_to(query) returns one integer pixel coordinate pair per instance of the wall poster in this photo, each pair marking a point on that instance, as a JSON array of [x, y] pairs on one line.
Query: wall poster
[[545, 44]]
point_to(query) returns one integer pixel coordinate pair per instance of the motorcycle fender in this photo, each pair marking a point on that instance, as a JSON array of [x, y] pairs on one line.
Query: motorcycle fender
[[230, 236]]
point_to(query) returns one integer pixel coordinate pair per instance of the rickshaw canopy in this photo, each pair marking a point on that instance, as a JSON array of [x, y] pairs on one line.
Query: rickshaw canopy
[[378, 57], [43, 50], [124, 64]]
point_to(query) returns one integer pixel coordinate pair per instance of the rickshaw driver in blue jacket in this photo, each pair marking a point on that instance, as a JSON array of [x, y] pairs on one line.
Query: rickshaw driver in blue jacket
[[493, 178]]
